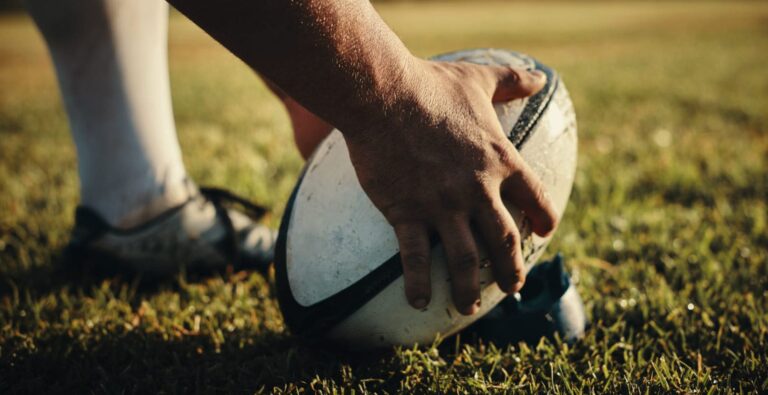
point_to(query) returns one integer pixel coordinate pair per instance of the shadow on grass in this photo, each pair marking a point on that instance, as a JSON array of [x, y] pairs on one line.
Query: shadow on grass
[[58, 356], [55, 354], [145, 362], [120, 361], [65, 269]]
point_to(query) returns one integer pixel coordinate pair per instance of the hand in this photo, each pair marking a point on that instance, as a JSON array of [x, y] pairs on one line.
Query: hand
[[440, 162]]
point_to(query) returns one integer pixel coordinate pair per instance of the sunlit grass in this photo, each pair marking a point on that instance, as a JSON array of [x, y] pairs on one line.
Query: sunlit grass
[[667, 230]]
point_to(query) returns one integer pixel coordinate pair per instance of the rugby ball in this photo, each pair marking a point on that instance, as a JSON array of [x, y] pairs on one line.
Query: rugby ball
[[338, 270]]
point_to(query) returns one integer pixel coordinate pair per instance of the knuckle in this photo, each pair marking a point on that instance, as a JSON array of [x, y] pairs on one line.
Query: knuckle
[[415, 261], [483, 189], [409, 239], [474, 72], [485, 196], [537, 192], [402, 212], [450, 200], [505, 154], [514, 76], [449, 195], [510, 240], [466, 260], [394, 213], [462, 193]]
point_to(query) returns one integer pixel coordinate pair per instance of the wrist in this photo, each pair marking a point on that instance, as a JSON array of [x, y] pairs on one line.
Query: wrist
[[387, 99]]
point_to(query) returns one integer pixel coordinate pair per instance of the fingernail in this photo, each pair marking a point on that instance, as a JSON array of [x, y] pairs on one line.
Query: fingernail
[[420, 303]]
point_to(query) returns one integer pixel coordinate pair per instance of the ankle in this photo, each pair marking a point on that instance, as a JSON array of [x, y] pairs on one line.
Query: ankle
[[124, 210]]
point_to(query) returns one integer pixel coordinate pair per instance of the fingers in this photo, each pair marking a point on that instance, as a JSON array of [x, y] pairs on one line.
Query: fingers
[[463, 263], [525, 190], [502, 238], [522, 188], [509, 83], [414, 255]]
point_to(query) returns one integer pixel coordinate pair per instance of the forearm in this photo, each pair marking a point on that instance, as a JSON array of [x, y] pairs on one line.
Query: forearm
[[336, 57]]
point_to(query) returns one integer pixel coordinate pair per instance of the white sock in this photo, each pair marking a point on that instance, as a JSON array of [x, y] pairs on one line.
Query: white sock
[[111, 61]]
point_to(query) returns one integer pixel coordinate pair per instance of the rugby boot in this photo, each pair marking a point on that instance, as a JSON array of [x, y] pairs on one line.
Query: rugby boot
[[547, 304], [211, 230]]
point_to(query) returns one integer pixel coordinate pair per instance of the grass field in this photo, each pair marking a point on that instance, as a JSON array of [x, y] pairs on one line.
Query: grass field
[[667, 230]]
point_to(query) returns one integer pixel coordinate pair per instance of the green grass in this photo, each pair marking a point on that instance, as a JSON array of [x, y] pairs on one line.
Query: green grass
[[667, 230]]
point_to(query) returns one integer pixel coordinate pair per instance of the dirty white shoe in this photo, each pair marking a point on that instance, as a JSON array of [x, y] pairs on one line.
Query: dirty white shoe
[[211, 230]]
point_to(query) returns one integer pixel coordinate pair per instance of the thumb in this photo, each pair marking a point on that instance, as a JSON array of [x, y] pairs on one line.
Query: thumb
[[516, 83]]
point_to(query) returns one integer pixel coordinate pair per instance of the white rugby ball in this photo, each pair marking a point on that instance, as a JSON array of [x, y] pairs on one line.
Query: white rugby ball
[[338, 270]]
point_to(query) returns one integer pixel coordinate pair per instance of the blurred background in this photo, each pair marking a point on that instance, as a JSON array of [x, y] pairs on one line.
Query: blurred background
[[666, 231]]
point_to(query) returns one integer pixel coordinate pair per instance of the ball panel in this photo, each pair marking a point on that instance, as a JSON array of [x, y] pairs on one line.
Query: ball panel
[[342, 236]]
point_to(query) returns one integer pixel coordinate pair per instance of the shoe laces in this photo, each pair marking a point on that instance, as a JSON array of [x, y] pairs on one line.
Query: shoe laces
[[223, 199]]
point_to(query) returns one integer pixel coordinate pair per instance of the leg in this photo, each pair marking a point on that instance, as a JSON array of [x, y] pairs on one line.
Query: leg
[[111, 61], [309, 130]]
